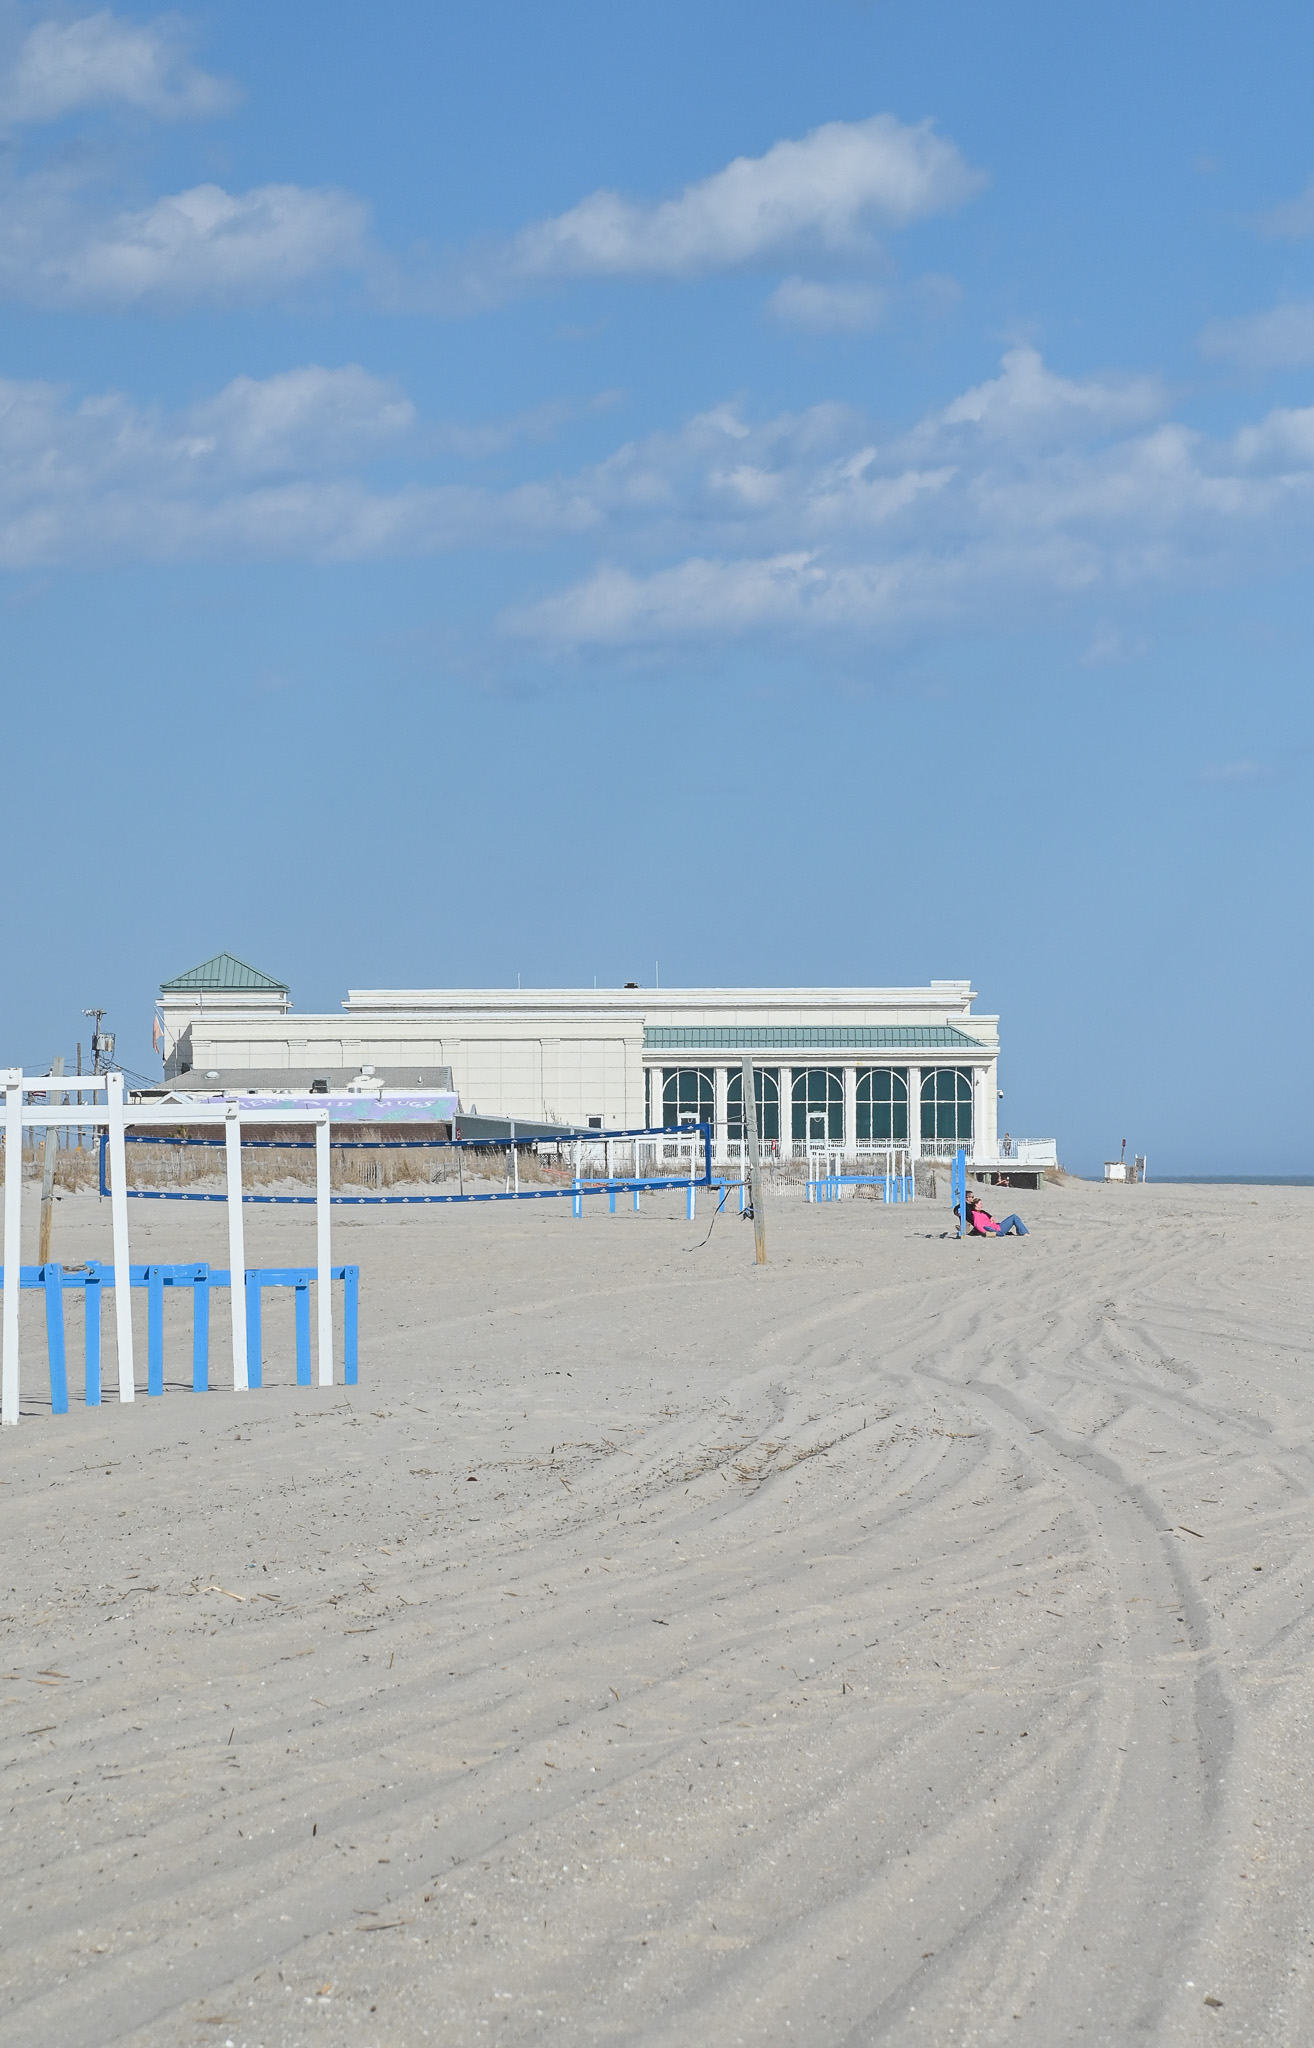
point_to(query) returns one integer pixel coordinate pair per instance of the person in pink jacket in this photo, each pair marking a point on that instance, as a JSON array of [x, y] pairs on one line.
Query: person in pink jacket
[[982, 1224]]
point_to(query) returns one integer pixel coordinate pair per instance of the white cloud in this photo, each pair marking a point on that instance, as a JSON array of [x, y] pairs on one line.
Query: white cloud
[[1294, 220], [300, 421], [271, 468], [202, 244], [1111, 647], [101, 60], [1026, 398], [1281, 443], [1028, 492], [828, 308], [1237, 773], [825, 192], [1280, 339], [1028, 495]]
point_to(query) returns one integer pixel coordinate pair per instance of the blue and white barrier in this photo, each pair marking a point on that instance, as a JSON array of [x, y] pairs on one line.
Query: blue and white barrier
[[895, 1187], [958, 1190], [581, 1184], [113, 1117], [91, 1280], [896, 1182]]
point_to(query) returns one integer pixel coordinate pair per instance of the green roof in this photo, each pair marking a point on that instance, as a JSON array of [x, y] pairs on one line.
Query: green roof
[[806, 1038], [224, 973]]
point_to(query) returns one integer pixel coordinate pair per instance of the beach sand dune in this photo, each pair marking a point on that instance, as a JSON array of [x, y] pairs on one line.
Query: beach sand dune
[[908, 1642]]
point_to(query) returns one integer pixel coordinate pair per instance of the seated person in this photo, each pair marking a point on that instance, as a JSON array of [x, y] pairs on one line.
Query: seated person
[[982, 1224]]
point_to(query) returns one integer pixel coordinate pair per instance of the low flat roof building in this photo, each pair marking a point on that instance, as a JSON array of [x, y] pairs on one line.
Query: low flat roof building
[[854, 1068]]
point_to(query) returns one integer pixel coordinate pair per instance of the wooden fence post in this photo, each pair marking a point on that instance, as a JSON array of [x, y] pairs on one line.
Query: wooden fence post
[[48, 1179], [749, 1095]]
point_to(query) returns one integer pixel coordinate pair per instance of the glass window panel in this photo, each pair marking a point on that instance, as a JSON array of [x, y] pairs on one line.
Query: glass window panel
[[688, 1096], [947, 1105], [819, 1105], [882, 1106], [767, 1090]]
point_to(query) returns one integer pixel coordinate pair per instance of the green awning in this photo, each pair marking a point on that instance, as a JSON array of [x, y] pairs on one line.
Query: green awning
[[808, 1038]]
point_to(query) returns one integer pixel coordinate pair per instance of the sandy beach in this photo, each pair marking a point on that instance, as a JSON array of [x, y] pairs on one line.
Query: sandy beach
[[908, 1642]]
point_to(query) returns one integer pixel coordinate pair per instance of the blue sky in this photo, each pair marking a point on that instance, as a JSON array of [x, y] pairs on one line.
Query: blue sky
[[797, 493]]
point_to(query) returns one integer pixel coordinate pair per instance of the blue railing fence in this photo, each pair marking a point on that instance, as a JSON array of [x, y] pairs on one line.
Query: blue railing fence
[[94, 1278]]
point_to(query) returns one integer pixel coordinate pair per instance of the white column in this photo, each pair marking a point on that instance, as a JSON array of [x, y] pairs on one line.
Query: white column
[[118, 1165], [13, 1237], [722, 1077], [914, 1112], [323, 1255], [851, 1112], [654, 1098], [787, 1112], [236, 1248], [984, 1140]]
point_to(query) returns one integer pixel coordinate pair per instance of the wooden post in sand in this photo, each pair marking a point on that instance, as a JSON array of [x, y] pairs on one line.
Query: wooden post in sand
[[749, 1095], [48, 1179]]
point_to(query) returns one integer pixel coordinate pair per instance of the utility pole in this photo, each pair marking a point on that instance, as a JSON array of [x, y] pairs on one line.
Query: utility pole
[[102, 1043], [48, 1178], [749, 1095]]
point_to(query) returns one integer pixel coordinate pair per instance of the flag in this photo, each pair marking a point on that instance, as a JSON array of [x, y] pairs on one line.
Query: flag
[[157, 1033]]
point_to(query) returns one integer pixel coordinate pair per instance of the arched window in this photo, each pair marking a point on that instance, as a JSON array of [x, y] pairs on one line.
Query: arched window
[[819, 1105], [882, 1106], [688, 1097], [766, 1087], [947, 1104]]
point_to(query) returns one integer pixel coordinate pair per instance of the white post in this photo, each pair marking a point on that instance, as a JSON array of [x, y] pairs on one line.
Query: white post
[[13, 1227], [987, 1138], [118, 1166], [236, 1247], [787, 1113], [721, 1115], [323, 1262]]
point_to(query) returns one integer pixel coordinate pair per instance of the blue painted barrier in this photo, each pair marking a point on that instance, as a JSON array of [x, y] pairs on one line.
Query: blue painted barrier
[[54, 1280], [898, 1186], [574, 1189], [958, 1190]]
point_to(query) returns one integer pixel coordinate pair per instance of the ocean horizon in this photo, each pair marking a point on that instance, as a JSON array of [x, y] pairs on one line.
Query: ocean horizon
[[1233, 1180]]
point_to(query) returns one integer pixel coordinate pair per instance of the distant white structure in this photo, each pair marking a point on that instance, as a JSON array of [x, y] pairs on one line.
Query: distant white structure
[[852, 1068]]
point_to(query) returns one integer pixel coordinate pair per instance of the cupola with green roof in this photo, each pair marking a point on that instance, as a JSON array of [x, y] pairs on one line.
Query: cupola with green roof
[[226, 975]]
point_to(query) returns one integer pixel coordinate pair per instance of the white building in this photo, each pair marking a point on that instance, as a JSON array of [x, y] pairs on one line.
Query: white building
[[855, 1067]]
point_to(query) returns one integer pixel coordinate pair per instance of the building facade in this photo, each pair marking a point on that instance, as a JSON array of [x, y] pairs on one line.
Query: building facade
[[852, 1068]]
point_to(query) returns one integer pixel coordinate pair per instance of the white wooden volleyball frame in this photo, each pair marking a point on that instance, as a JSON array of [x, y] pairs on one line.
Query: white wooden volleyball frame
[[114, 1116]]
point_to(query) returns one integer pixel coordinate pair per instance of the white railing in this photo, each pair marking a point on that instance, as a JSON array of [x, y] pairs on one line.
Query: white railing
[[1028, 1151], [828, 1181], [735, 1150], [646, 1155]]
